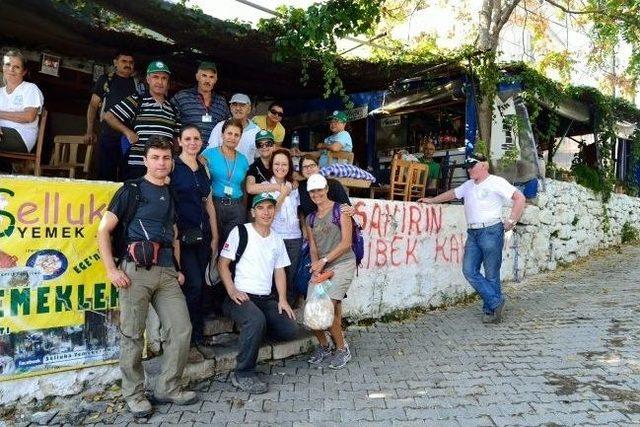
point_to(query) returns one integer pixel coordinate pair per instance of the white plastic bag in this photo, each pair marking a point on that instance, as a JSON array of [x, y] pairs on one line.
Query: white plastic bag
[[318, 312]]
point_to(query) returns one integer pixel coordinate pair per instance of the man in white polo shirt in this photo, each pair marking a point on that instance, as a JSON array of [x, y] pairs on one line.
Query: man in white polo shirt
[[240, 106], [484, 196], [258, 256]]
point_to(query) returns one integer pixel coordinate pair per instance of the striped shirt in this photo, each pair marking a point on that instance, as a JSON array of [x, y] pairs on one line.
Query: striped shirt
[[190, 106], [147, 118]]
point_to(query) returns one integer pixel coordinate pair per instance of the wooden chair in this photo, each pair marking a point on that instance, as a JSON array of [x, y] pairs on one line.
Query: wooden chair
[[70, 153], [419, 176], [340, 157], [400, 178], [37, 151]]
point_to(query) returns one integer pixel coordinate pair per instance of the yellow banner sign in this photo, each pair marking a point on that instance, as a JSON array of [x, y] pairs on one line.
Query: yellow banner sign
[[57, 307]]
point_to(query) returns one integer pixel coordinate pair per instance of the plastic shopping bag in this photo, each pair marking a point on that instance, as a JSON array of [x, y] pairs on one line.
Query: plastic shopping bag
[[318, 312]]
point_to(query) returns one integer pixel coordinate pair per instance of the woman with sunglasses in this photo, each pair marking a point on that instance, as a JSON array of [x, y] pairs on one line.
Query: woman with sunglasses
[[228, 169], [259, 173], [197, 231], [271, 122]]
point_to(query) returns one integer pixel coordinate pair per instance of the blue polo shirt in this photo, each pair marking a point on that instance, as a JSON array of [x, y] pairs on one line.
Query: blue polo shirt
[[190, 107], [226, 172], [343, 138]]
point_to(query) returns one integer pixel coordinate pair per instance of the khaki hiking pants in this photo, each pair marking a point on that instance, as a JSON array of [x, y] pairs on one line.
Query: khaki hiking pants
[[158, 287]]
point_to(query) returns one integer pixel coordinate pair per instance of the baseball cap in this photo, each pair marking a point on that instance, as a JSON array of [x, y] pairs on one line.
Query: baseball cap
[[262, 197], [158, 67], [475, 158], [208, 65], [316, 182], [340, 116], [240, 98], [264, 134]]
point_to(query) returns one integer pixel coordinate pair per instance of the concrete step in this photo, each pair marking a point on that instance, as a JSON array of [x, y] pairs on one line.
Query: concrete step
[[215, 325], [226, 349]]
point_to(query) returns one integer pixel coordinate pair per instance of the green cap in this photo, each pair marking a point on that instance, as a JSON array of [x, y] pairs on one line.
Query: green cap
[[208, 65], [158, 67], [264, 134], [340, 116], [261, 197]]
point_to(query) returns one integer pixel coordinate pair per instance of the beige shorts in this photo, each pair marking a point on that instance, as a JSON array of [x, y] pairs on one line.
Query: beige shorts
[[341, 281]]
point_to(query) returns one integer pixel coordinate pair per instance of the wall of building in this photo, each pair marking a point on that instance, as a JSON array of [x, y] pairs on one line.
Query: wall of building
[[414, 252]]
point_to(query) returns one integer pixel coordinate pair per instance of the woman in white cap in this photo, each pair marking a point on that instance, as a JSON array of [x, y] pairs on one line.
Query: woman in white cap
[[329, 233]]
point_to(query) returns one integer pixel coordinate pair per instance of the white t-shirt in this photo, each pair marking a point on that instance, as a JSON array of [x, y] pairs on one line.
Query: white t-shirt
[[26, 95], [247, 145], [483, 202], [286, 222], [254, 271]]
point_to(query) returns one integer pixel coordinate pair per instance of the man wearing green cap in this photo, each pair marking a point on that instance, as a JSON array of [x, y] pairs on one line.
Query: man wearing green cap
[[339, 140], [259, 255], [140, 117], [200, 105]]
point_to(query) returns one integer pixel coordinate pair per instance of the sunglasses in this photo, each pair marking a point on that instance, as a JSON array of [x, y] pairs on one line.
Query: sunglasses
[[264, 144], [277, 113]]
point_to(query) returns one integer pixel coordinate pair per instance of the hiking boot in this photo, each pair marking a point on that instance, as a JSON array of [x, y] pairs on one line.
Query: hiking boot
[[499, 312], [340, 358], [179, 397], [139, 406], [488, 318], [320, 354], [251, 384], [207, 351], [195, 356]]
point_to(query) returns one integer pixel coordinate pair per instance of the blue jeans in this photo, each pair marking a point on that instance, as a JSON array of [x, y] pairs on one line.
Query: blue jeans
[[484, 247]]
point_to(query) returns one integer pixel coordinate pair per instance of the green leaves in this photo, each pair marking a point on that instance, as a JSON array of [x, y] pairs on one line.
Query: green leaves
[[309, 36]]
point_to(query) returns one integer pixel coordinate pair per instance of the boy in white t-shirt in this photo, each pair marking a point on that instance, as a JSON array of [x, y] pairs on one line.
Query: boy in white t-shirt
[[250, 302], [484, 196], [20, 104]]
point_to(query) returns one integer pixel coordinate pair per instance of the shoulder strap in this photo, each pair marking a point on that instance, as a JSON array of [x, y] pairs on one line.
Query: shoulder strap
[[312, 219], [336, 214], [243, 236], [133, 200]]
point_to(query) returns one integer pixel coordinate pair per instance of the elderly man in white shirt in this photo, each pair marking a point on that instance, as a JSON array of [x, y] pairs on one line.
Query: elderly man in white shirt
[[240, 106], [484, 196]]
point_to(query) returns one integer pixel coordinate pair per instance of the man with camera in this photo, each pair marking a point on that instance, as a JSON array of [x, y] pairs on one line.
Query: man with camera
[[141, 220]]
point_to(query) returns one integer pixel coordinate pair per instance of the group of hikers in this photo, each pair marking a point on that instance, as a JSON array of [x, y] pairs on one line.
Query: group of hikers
[[207, 187]]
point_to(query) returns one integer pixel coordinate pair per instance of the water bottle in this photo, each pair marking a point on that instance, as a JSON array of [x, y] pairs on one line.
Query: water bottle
[[295, 145]]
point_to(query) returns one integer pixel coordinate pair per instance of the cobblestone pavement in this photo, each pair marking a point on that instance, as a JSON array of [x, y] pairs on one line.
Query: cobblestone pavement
[[567, 354]]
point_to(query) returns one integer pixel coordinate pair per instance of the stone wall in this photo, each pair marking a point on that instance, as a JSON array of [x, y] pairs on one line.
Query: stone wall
[[413, 252]]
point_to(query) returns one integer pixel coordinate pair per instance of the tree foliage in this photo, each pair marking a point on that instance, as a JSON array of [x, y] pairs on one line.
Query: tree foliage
[[310, 35]]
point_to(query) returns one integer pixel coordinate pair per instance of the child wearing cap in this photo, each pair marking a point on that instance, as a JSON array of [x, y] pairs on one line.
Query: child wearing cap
[[339, 140]]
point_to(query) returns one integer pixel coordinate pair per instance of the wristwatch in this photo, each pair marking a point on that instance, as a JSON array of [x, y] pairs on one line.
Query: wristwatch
[[326, 260]]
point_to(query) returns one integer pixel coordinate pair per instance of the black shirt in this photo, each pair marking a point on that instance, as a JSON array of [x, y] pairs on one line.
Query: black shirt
[[336, 194], [111, 91], [259, 171], [153, 219], [191, 190]]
